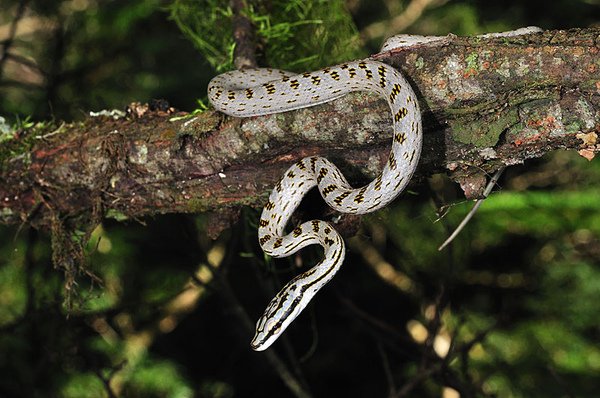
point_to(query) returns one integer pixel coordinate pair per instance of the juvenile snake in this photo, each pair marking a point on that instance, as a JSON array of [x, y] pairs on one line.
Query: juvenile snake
[[265, 91]]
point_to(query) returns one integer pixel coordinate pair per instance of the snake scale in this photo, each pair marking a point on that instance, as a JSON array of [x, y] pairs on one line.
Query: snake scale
[[258, 92]]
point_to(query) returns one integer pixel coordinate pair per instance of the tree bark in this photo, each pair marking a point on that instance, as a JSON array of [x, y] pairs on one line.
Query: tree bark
[[486, 102]]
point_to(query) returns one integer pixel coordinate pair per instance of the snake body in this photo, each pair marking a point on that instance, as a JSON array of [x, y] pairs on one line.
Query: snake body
[[264, 91]]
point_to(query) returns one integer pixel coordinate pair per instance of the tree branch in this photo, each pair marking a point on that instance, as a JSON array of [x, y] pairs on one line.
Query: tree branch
[[243, 33], [486, 102]]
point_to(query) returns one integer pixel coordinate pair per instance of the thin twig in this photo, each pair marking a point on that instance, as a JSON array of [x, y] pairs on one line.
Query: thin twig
[[478, 203], [226, 292], [418, 378], [382, 268], [238, 310], [427, 367], [244, 55], [378, 324], [387, 369], [315, 338], [106, 380], [19, 84]]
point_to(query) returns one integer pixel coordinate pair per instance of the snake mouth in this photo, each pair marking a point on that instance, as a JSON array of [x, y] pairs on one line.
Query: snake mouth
[[256, 344]]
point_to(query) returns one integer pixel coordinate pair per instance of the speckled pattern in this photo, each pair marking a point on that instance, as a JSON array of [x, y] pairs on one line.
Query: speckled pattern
[[264, 91]]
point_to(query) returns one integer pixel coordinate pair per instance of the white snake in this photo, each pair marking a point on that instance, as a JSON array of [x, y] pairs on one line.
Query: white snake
[[258, 92]]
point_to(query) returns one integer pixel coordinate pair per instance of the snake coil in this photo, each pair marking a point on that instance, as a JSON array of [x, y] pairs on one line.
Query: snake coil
[[258, 92]]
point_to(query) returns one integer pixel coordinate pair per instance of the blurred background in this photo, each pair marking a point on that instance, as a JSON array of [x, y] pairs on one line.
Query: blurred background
[[161, 310]]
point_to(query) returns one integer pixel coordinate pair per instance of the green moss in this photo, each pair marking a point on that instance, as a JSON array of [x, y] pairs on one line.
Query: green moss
[[6, 213], [485, 131], [157, 379], [20, 139], [483, 106], [295, 34], [572, 128], [589, 85], [83, 385], [200, 125], [471, 61], [117, 215], [5, 130], [202, 106], [198, 205], [419, 63]]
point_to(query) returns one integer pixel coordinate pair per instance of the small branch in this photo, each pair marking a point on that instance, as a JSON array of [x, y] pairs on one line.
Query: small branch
[[280, 368], [243, 33], [373, 322], [245, 57], [382, 268], [478, 203], [227, 293], [415, 380], [385, 363]]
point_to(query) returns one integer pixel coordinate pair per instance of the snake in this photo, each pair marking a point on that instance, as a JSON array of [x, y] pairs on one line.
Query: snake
[[264, 91]]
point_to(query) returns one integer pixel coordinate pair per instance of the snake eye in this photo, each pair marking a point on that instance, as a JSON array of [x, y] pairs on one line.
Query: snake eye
[[271, 324]]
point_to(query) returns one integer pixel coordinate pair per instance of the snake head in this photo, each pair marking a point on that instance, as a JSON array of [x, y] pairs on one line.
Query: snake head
[[280, 312]]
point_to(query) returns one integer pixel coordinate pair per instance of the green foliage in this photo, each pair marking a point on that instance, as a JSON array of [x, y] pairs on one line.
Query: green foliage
[[83, 385], [30, 304], [525, 267], [6, 132], [90, 55], [208, 25], [296, 35], [13, 292], [157, 379], [532, 251]]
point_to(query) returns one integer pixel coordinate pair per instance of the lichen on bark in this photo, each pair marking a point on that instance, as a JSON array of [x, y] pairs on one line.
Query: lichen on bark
[[486, 102]]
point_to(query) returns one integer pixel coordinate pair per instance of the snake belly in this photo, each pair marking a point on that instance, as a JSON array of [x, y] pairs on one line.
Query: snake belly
[[265, 91]]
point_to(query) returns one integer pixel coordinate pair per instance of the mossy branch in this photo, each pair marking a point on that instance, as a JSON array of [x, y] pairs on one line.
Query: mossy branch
[[487, 102]]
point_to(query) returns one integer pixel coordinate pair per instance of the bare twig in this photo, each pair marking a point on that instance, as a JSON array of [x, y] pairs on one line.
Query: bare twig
[[244, 55], [106, 380], [227, 293], [18, 84], [427, 367], [386, 368], [415, 380], [478, 203], [314, 341], [371, 320], [384, 269]]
